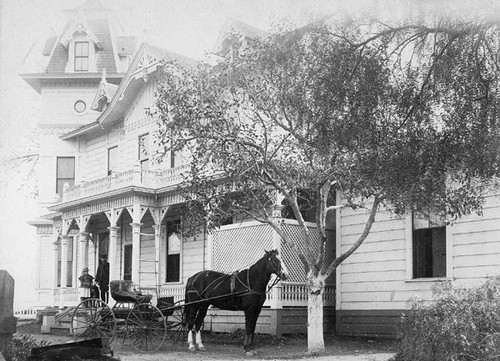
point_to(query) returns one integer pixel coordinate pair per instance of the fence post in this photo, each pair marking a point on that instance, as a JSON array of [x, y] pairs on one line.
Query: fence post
[[8, 323]]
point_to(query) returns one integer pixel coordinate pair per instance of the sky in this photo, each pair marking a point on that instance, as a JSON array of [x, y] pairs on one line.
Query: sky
[[189, 27]]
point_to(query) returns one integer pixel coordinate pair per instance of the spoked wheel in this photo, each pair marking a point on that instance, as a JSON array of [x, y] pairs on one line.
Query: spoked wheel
[[146, 328], [93, 318], [177, 323]]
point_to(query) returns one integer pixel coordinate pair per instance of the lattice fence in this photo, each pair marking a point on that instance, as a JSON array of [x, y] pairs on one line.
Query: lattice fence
[[238, 247], [290, 257]]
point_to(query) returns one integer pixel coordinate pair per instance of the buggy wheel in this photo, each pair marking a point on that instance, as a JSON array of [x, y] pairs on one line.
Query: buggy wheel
[[146, 327], [177, 323], [93, 318]]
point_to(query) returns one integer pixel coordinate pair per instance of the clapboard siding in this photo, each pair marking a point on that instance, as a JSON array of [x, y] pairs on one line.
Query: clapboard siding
[[57, 106], [373, 283], [271, 321], [381, 323], [192, 258], [137, 123]]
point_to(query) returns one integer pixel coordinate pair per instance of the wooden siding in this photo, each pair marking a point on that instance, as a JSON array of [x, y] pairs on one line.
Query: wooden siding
[[375, 280], [136, 123], [373, 323], [58, 103], [270, 321]]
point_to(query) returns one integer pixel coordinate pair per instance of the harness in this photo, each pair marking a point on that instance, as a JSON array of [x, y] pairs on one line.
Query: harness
[[233, 277]]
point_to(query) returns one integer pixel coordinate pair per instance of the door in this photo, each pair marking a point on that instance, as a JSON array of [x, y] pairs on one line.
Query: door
[[127, 263]]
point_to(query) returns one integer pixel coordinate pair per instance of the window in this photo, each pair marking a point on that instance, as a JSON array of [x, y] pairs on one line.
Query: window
[[173, 260], [81, 56], [127, 262], [80, 106], [65, 173], [112, 160], [69, 269], [144, 151], [429, 245]]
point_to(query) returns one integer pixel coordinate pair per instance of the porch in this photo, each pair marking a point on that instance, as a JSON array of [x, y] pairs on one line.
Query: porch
[[230, 248]]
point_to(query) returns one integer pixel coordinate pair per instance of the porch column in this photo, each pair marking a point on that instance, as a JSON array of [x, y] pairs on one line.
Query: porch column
[[136, 251], [64, 261], [113, 258], [157, 228], [82, 252], [55, 279]]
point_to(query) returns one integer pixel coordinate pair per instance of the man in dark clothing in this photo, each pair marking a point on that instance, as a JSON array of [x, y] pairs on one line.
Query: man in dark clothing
[[102, 277]]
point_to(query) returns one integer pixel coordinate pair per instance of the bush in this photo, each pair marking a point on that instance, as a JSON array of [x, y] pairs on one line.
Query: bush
[[459, 325], [20, 346]]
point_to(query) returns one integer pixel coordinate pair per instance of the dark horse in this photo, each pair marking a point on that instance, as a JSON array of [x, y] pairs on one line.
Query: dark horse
[[244, 290]]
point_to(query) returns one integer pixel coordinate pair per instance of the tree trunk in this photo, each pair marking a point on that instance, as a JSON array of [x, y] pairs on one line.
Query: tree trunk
[[315, 340]]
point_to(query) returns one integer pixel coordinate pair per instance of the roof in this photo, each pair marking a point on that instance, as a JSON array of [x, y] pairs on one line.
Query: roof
[[145, 62], [101, 25], [237, 26], [104, 57]]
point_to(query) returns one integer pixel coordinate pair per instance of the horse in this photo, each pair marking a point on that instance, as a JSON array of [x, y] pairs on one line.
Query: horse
[[244, 290]]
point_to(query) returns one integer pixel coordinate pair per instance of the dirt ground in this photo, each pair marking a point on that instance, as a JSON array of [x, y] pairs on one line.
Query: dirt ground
[[222, 347]]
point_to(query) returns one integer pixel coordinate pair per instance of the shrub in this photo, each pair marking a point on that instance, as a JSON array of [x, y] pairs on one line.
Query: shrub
[[458, 325], [19, 348]]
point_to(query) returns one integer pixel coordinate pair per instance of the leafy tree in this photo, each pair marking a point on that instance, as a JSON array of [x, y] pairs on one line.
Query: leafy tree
[[399, 117]]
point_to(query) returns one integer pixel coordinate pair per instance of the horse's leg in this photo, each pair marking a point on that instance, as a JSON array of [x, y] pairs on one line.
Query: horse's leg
[[190, 317], [202, 312], [251, 316]]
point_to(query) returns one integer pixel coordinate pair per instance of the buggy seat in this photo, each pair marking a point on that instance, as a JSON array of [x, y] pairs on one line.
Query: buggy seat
[[126, 291]]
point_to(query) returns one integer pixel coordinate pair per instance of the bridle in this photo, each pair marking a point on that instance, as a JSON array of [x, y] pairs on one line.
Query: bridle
[[274, 270]]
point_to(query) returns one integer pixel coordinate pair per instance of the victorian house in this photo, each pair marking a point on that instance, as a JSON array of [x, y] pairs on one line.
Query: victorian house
[[101, 191], [102, 194]]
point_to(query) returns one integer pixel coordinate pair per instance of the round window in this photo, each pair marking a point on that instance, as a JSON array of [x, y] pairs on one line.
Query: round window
[[80, 106]]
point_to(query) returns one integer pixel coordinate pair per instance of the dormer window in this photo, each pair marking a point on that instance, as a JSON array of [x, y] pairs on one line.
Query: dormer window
[[81, 56]]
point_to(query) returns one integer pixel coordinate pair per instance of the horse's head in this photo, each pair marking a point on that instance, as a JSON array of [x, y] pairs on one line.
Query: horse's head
[[275, 264]]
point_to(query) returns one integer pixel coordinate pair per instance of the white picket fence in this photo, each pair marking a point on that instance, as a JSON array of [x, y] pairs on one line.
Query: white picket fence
[[24, 310]]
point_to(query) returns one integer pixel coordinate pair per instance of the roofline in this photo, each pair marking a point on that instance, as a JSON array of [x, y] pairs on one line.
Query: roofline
[[62, 75], [121, 88], [81, 130]]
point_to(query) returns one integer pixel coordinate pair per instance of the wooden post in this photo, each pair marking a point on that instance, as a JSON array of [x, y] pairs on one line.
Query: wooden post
[[7, 319], [136, 251], [113, 257]]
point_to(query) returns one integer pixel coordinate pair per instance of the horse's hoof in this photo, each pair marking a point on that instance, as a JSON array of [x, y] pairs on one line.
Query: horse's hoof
[[192, 349], [249, 353], [203, 349]]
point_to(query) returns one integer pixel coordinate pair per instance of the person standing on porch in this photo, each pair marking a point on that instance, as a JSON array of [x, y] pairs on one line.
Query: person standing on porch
[[102, 278], [86, 281]]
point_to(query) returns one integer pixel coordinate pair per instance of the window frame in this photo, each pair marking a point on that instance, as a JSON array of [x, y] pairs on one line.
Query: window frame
[[144, 161], [63, 179], [81, 57], [166, 252], [110, 171], [409, 252]]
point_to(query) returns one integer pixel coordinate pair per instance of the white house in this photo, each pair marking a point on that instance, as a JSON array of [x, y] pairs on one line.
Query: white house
[[104, 195]]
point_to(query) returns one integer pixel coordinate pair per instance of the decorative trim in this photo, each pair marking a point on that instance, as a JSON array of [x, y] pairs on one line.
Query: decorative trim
[[137, 123], [54, 130], [44, 229], [147, 64]]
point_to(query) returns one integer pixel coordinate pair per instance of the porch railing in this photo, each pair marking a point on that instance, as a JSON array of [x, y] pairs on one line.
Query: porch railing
[[284, 294], [133, 177]]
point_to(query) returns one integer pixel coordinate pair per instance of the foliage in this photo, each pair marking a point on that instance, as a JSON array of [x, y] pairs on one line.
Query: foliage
[[19, 348], [399, 115], [461, 324]]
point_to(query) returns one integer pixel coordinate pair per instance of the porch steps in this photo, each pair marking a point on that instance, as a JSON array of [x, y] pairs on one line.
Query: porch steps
[[62, 326]]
